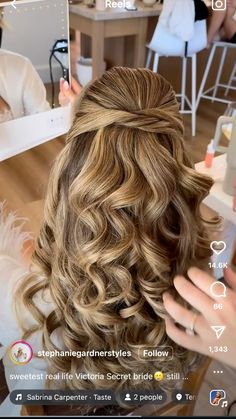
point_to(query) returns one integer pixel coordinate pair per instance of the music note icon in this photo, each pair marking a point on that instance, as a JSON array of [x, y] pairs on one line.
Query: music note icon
[[224, 403], [18, 397]]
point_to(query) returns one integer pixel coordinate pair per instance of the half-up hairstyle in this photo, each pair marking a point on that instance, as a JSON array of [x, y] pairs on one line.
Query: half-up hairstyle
[[122, 218]]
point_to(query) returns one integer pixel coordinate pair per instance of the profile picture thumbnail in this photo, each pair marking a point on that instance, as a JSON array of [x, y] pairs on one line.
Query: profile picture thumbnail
[[20, 352], [216, 396]]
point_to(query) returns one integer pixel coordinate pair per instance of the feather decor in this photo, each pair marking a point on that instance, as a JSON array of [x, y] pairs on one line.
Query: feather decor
[[12, 234]]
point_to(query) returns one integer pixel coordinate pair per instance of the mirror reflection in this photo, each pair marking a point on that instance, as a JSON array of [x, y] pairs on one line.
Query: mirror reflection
[[33, 57]]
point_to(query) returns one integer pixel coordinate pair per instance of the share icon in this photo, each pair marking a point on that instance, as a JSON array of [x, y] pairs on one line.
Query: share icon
[[218, 330]]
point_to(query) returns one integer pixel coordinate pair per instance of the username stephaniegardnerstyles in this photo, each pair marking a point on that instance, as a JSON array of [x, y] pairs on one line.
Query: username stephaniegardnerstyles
[[83, 354], [151, 353]]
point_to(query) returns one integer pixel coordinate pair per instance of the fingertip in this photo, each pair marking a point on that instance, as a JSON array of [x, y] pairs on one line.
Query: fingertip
[[228, 269], [193, 271], [170, 326], [178, 281], [76, 87], [196, 274], [230, 276], [167, 301], [168, 322], [199, 276], [165, 295], [66, 85]]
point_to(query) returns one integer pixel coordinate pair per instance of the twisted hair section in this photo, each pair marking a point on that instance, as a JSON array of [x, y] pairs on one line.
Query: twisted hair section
[[122, 218]]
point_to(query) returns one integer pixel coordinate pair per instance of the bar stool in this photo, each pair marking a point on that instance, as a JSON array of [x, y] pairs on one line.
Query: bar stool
[[232, 79], [163, 43], [206, 94]]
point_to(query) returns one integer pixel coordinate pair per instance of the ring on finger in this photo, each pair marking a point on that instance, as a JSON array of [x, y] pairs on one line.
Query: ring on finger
[[190, 330]]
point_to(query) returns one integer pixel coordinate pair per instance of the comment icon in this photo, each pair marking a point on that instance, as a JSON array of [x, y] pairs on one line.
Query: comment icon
[[218, 289]]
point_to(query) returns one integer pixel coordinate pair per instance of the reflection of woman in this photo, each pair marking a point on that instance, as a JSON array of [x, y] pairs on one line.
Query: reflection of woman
[[22, 92], [20, 86], [121, 219]]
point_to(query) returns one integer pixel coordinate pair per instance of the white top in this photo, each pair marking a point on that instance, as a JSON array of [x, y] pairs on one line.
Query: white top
[[21, 86], [174, 13]]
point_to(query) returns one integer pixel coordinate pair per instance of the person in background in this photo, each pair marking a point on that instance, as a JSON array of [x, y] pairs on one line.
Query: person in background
[[223, 20], [22, 91], [28, 95]]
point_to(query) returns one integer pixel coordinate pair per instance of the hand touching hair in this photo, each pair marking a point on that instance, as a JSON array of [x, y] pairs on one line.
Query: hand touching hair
[[121, 220]]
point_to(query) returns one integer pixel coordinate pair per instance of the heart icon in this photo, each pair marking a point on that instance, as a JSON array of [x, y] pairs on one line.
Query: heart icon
[[218, 247]]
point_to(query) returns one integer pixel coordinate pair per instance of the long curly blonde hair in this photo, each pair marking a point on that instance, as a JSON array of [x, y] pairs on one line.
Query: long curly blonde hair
[[122, 218]]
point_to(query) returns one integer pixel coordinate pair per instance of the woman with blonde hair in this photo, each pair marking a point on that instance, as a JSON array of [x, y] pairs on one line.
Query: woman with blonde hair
[[122, 218]]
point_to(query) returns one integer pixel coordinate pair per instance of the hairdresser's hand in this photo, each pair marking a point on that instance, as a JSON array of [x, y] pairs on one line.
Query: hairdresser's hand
[[198, 294], [68, 94]]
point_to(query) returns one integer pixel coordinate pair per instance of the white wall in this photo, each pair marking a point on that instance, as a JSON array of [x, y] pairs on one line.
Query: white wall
[[32, 29]]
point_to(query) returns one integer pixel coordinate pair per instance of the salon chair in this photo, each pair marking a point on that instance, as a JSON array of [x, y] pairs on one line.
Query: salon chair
[[211, 92], [232, 78], [163, 43]]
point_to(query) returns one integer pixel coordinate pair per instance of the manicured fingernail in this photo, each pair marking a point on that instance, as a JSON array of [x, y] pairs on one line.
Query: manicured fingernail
[[166, 296], [66, 85], [177, 280]]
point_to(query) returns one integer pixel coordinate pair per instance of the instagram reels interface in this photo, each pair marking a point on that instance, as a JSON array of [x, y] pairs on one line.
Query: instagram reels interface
[[118, 208]]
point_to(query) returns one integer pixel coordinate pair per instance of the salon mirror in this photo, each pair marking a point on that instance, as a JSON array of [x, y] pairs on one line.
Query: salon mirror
[[34, 55]]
